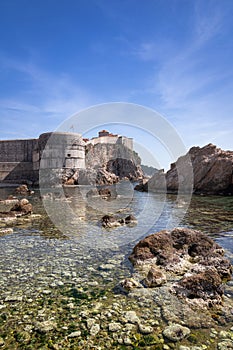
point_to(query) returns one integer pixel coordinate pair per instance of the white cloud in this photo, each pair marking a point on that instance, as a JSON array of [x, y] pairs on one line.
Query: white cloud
[[45, 99]]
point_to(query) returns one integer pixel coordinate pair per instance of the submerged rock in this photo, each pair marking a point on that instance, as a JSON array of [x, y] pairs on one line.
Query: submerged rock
[[110, 221], [155, 277], [24, 190], [191, 260], [23, 207], [176, 332]]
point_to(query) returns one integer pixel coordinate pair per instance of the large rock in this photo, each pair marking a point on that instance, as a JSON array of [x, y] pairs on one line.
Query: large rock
[[212, 172], [23, 207], [116, 159], [110, 221], [192, 261]]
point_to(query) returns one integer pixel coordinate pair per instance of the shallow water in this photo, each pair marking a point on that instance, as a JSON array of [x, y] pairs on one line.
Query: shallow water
[[42, 268]]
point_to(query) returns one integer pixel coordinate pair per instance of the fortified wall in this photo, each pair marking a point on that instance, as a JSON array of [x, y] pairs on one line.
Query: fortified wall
[[20, 160]]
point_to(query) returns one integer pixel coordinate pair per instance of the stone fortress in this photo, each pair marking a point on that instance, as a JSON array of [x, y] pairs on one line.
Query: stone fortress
[[20, 160]]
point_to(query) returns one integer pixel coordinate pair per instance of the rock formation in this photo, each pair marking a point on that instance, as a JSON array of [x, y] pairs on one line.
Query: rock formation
[[212, 172], [15, 207], [110, 221], [106, 164], [191, 261]]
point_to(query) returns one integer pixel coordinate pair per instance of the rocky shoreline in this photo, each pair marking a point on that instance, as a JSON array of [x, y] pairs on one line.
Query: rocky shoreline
[[55, 295], [212, 170], [70, 309]]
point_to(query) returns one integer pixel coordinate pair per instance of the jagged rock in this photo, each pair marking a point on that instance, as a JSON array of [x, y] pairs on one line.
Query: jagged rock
[[109, 221], [129, 284], [193, 259], [130, 219], [125, 168], [23, 206], [212, 172], [103, 177], [142, 186], [22, 189], [70, 182], [155, 277], [204, 285]]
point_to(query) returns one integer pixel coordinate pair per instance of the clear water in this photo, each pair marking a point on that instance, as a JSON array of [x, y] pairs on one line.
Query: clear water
[[39, 263]]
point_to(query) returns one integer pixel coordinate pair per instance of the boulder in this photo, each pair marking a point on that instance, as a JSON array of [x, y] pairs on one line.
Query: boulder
[[24, 190], [212, 173], [189, 259], [155, 277], [130, 220], [175, 332], [23, 207], [110, 221]]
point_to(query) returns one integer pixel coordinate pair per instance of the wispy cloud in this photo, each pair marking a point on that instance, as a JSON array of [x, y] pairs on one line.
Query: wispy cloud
[[46, 99]]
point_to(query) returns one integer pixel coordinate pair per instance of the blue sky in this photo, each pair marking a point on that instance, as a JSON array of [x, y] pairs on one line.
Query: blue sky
[[174, 56]]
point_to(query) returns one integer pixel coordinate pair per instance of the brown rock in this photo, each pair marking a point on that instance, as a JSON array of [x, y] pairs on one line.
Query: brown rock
[[212, 172], [109, 221], [23, 206], [204, 285], [70, 182], [155, 277], [105, 192], [22, 189], [186, 256]]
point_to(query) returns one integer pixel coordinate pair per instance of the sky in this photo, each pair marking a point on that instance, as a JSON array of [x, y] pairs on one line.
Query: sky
[[172, 56]]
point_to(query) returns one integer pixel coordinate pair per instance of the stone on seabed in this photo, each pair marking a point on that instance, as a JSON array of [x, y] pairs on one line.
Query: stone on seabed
[[176, 332]]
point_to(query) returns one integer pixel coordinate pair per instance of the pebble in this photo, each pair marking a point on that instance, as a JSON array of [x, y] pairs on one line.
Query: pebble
[[14, 298], [127, 341], [225, 345], [166, 347], [95, 329], [145, 329], [90, 322], [176, 332], [114, 327], [131, 317], [106, 267], [74, 334], [46, 326]]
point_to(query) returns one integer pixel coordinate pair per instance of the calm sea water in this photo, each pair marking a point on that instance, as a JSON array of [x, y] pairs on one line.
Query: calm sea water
[[73, 227], [56, 267]]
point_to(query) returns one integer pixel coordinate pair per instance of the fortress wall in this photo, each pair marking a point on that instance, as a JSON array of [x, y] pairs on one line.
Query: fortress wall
[[127, 142], [17, 172], [17, 150], [104, 139]]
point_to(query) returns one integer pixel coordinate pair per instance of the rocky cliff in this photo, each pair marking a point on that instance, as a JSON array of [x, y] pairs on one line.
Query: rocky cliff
[[212, 172], [106, 164]]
